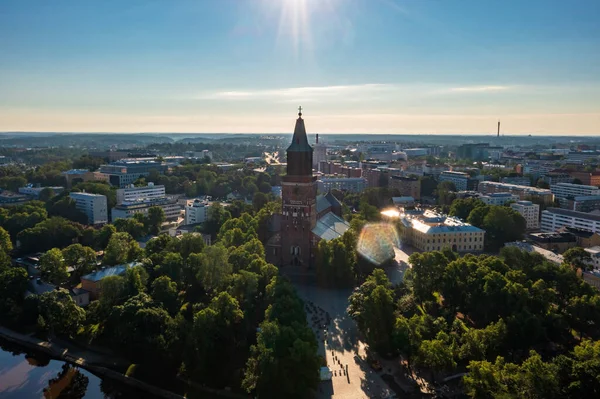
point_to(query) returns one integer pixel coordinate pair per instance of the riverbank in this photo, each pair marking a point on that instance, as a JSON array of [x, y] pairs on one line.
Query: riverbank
[[95, 363]]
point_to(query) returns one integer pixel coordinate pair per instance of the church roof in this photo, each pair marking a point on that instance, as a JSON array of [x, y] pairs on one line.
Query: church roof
[[330, 226], [333, 200], [322, 203], [300, 141]]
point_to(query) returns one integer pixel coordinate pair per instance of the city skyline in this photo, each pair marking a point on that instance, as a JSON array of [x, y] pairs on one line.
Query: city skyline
[[356, 66]]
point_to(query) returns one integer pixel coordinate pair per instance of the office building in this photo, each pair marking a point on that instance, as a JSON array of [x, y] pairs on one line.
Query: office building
[[125, 172], [567, 190], [75, 176], [8, 198], [93, 205], [585, 203], [429, 231], [139, 193], [407, 186], [529, 211], [594, 253], [462, 181], [498, 198], [350, 184], [127, 209], [556, 177], [555, 218], [587, 178], [523, 192], [518, 180], [196, 212], [319, 154], [34, 192], [556, 241], [476, 152]]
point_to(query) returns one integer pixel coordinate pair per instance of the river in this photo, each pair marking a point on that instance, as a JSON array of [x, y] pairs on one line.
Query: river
[[25, 375]]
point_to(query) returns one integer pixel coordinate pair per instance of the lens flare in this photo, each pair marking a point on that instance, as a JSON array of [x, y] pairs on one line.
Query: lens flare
[[377, 241]]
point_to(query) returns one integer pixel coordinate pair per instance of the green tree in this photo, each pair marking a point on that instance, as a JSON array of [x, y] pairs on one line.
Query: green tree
[[259, 200], [216, 331], [53, 268], [132, 226], [82, 259], [60, 313], [156, 217], [426, 273], [121, 248], [114, 291], [102, 237], [213, 267], [577, 258], [462, 208], [372, 307], [164, 290], [172, 266], [191, 243], [5, 242], [46, 194]]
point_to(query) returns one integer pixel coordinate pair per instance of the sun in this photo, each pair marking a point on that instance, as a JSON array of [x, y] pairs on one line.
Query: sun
[[295, 19]]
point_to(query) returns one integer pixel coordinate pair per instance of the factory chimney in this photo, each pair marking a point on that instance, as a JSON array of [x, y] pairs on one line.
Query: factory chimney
[[498, 129]]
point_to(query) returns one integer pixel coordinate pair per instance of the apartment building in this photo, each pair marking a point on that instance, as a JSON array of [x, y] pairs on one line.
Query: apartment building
[[462, 181], [408, 186], [127, 209], [555, 218], [566, 190], [498, 198], [132, 193], [350, 184], [93, 205], [523, 192], [196, 212], [529, 211]]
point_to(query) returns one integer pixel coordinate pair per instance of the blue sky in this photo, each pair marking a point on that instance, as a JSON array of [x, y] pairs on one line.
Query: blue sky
[[356, 66]]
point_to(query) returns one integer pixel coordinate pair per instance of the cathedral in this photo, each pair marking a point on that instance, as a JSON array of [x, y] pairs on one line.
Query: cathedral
[[306, 218]]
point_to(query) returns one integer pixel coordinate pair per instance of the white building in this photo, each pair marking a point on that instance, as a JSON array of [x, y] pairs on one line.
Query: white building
[[565, 190], [555, 218], [319, 153], [352, 184], [93, 205], [594, 253], [460, 179], [127, 209], [139, 193], [529, 211], [35, 191], [196, 212], [498, 198]]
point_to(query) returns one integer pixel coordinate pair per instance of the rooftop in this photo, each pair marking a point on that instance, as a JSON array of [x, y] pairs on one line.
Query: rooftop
[[75, 172], [109, 271], [84, 194], [330, 226], [575, 186], [574, 214]]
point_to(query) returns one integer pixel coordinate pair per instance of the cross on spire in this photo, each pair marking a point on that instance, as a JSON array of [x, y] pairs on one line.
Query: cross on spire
[[300, 110]]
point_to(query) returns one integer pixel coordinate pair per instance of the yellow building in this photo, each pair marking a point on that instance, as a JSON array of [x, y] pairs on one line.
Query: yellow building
[[429, 231]]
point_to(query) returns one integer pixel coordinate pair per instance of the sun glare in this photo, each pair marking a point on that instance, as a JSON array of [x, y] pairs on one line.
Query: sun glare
[[295, 24]]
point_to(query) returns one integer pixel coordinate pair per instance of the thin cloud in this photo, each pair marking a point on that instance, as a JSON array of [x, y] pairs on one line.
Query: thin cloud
[[479, 89], [311, 93]]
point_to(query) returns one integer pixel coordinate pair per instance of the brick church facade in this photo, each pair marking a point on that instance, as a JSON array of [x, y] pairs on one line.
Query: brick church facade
[[306, 218]]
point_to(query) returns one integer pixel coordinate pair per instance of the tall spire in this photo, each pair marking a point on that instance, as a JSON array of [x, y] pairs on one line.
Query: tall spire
[[300, 140]]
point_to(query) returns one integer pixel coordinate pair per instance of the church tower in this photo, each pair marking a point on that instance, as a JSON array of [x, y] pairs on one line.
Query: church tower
[[299, 201]]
